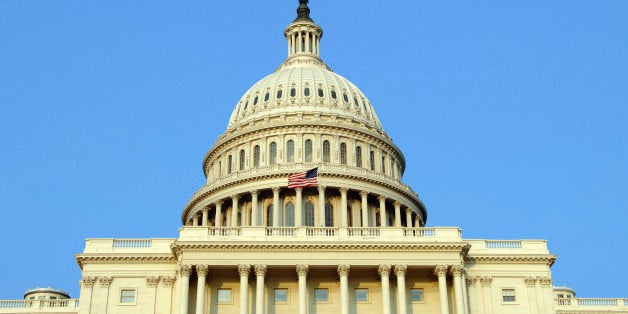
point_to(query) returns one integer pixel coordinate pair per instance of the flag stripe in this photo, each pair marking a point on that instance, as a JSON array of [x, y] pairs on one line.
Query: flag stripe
[[303, 179]]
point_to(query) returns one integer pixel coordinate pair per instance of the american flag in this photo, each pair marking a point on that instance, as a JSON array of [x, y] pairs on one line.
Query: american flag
[[303, 179]]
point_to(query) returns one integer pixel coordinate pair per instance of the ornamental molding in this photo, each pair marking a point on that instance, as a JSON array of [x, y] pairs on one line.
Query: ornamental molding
[[384, 270], [486, 281], [244, 270], [302, 269], [457, 270], [88, 281], [168, 281], [105, 282], [529, 281], [260, 270], [400, 270], [152, 281], [545, 281], [185, 270], [547, 259], [343, 269], [118, 259], [201, 270], [441, 270]]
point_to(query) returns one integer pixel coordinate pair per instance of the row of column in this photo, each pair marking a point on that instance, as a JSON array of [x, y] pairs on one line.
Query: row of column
[[383, 270], [303, 41], [204, 215]]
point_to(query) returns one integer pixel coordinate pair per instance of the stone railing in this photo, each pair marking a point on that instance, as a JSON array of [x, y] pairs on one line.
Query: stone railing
[[586, 305], [108, 245], [37, 306], [419, 232], [508, 247], [132, 243], [364, 232], [503, 244]]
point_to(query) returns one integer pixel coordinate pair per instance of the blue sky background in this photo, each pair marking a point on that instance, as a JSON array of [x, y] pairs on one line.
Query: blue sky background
[[512, 117]]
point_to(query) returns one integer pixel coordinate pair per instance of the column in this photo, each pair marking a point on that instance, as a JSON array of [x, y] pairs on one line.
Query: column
[[234, 210], [383, 216], [400, 272], [299, 43], [409, 217], [87, 289], [195, 220], [260, 272], [302, 270], [298, 210], [343, 272], [152, 282], [465, 292], [486, 292], [184, 287], [456, 271], [547, 295], [417, 221], [321, 205], [254, 210], [343, 208], [473, 298], [397, 214], [530, 283], [201, 272], [441, 272], [365, 217], [244, 287], [219, 214], [205, 216], [384, 273], [276, 206]]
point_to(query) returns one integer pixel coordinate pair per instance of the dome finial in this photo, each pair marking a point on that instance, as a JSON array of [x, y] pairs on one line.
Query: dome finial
[[303, 12]]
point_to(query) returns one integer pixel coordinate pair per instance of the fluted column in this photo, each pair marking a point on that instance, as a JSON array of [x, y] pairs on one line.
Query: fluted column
[[260, 272], [343, 272], [184, 287], [441, 272], [201, 272], [456, 271], [400, 272], [244, 270], [408, 217], [302, 270], [234, 210], [298, 211], [219, 214], [397, 214], [384, 273], [383, 216], [365, 216], [276, 206], [344, 221], [254, 210], [321, 205], [205, 216]]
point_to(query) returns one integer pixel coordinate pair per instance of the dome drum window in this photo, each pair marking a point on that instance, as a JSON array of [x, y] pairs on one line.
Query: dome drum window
[[279, 94], [306, 92], [293, 92], [320, 93], [267, 96]]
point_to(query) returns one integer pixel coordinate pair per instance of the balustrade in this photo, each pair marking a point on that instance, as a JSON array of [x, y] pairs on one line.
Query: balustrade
[[281, 231], [419, 232], [503, 244], [363, 232], [132, 243], [31, 304], [225, 231]]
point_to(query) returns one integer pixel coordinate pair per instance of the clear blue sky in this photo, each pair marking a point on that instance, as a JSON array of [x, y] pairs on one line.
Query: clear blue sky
[[512, 116]]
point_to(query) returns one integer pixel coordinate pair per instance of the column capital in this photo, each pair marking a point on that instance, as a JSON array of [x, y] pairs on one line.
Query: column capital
[[260, 270], [299, 190], [88, 282], [384, 270], [529, 281], [400, 270], [302, 269], [105, 281], [168, 281], [185, 270], [471, 280], [244, 269], [205, 210], [196, 216], [457, 270], [486, 281], [235, 197], [219, 202], [409, 210], [364, 194], [152, 281], [397, 204], [344, 190], [343, 269], [255, 193], [201, 270], [545, 281], [276, 189], [321, 188], [441, 270], [381, 198]]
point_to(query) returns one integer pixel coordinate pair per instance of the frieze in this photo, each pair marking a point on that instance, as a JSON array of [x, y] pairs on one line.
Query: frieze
[[82, 260], [529, 259]]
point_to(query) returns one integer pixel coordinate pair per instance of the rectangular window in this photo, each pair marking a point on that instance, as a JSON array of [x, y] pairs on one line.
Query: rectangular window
[[224, 295], [416, 295], [508, 295], [361, 295], [372, 160], [281, 295], [127, 296], [321, 295]]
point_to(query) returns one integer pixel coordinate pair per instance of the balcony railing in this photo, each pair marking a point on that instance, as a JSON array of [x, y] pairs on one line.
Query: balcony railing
[[364, 232], [132, 243], [597, 303], [503, 244], [34, 306]]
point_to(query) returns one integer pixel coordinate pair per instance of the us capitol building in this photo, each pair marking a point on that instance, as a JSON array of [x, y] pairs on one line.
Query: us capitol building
[[349, 237]]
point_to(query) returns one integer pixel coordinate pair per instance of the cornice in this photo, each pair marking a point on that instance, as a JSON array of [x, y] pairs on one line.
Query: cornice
[[82, 259], [547, 259]]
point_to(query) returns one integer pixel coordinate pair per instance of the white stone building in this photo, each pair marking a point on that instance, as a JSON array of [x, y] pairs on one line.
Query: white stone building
[[355, 242]]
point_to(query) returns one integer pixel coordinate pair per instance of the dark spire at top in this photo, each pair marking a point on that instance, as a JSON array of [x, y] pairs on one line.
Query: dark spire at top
[[303, 12]]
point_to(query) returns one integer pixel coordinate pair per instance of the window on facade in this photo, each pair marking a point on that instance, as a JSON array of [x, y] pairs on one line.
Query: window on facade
[[272, 158], [392, 166], [508, 295], [308, 150], [289, 215], [281, 295], [293, 92], [343, 153], [279, 94], [269, 215], [329, 215], [326, 151], [255, 101], [333, 94], [242, 159], [561, 296], [361, 295], [355, 102], [309, 215], [224, 295], [345, 97], [246, 105], [229, 162], [290, 151], [358, 156], [383, 164], [220, 167], [320, 92], [127, 296], [416, 295], [306, 91], [267, 96], [372, 160], [321, 295], [256, 154]]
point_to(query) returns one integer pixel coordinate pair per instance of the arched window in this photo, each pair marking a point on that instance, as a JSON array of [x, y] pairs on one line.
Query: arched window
[[308, 150], [329, 215], [229, 162], [242, 159], [290, 151], [273, 153], [358, 156], [372, 160], [256, 156], [308, 218], [269, 215], [326, 151], [289, 221], [343, 153]]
